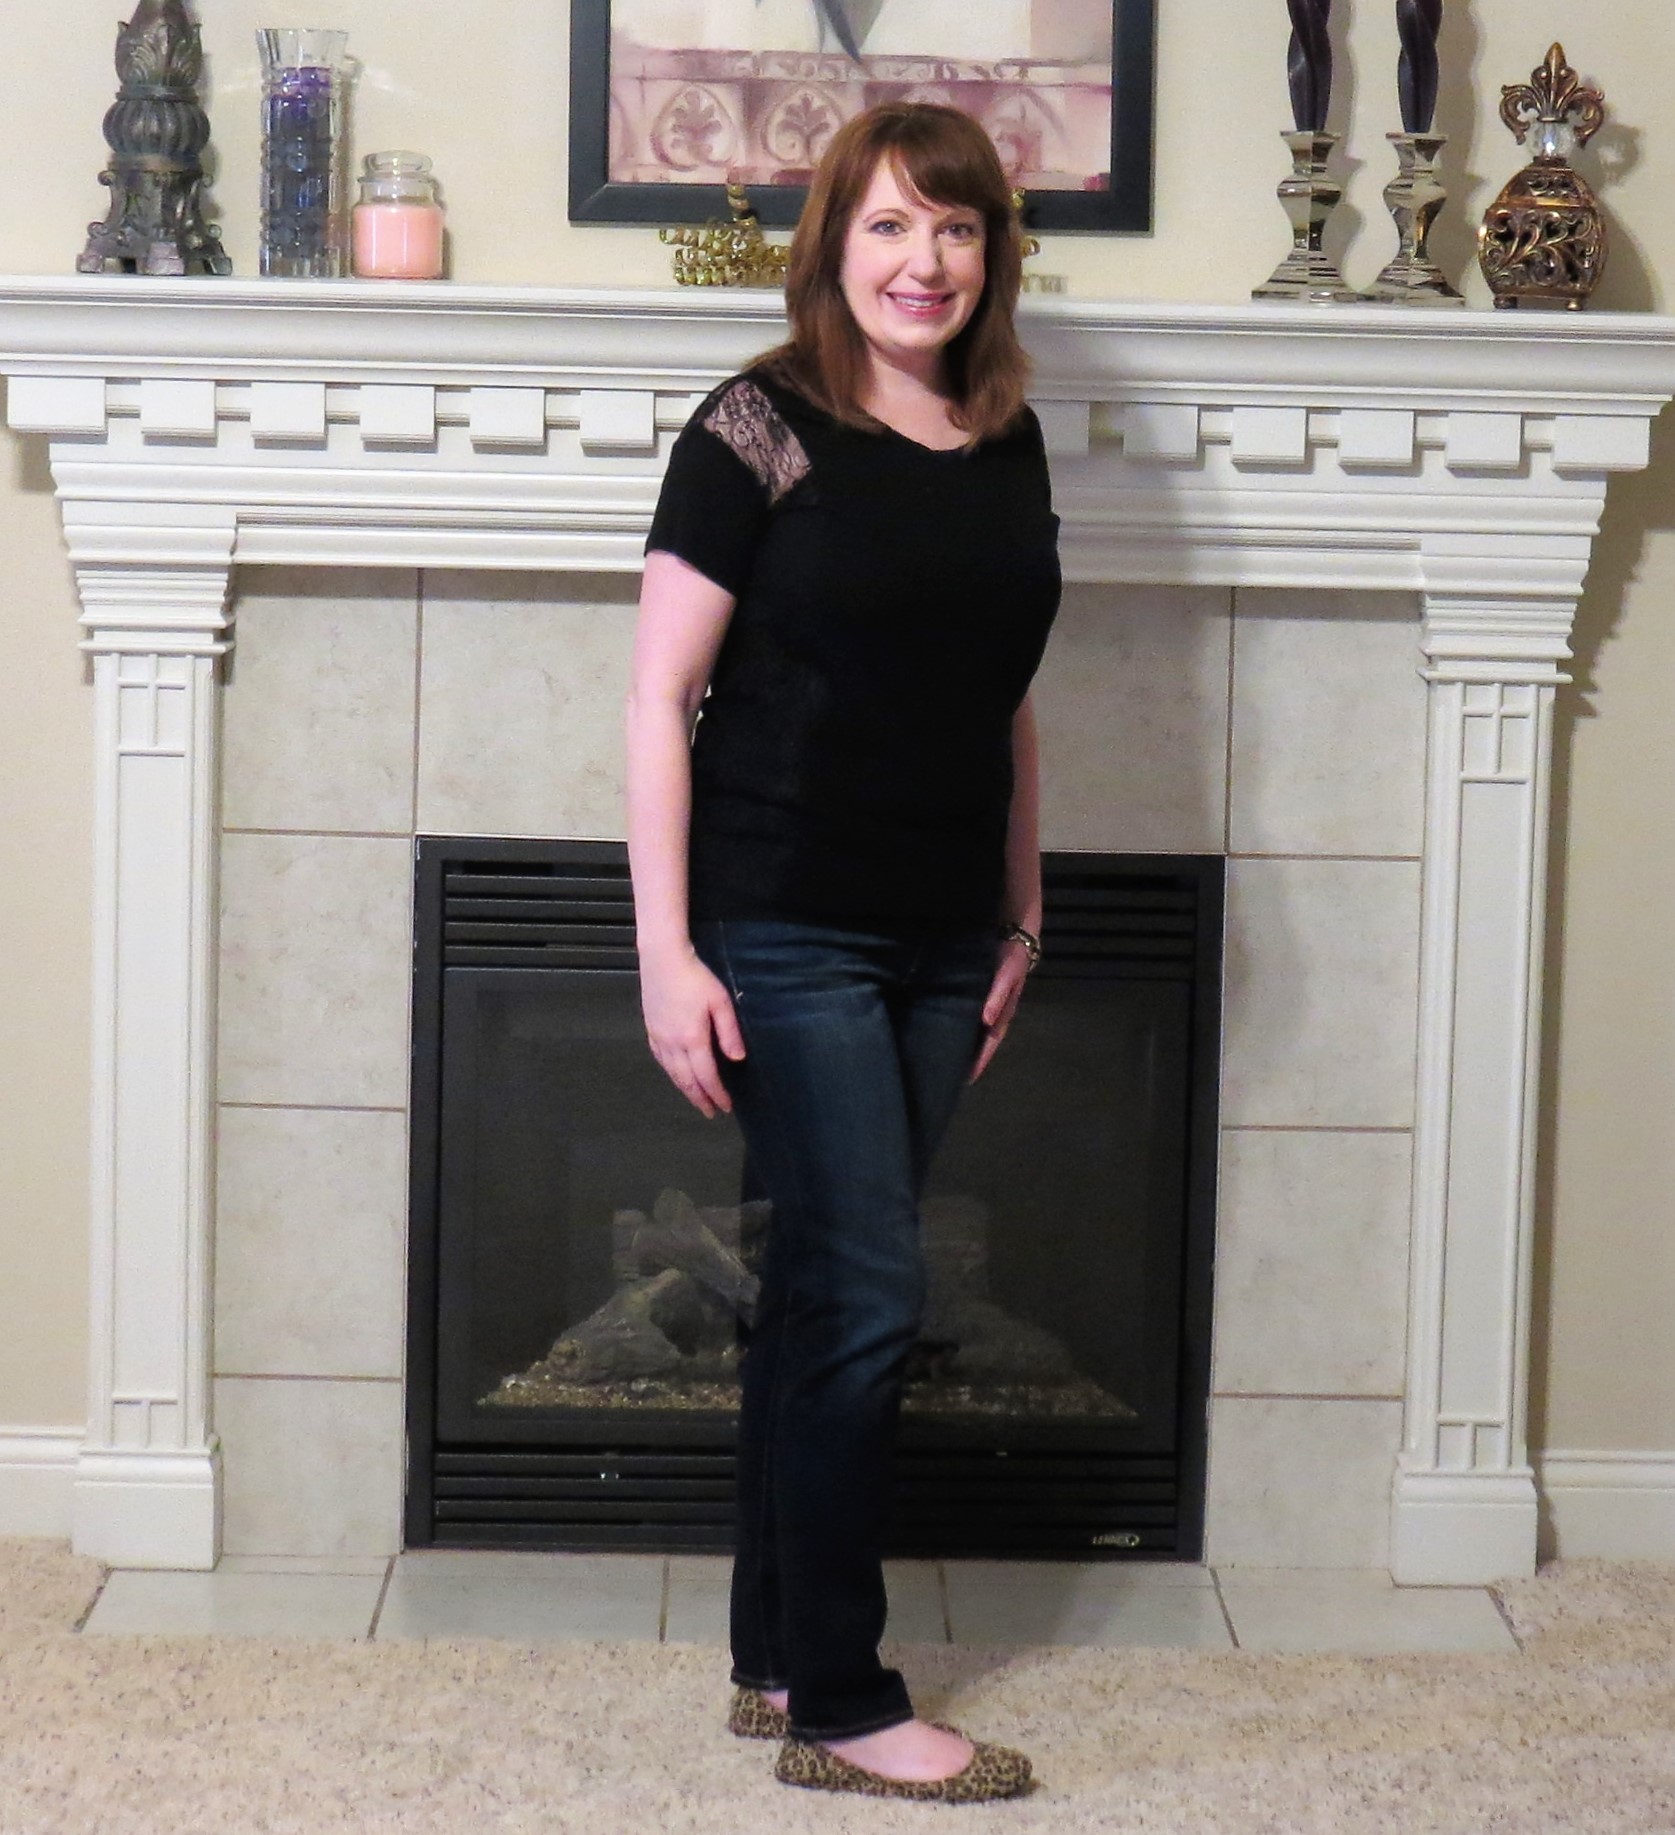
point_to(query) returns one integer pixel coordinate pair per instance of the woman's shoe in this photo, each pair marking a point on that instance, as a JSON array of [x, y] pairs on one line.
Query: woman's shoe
[[754, 1716], [991, 1772]]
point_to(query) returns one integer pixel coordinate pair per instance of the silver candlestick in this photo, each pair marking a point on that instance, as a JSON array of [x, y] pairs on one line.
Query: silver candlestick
[[1309, 198], [1414, 196]]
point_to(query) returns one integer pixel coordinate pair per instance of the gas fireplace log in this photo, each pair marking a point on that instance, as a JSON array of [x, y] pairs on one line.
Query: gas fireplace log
[[646, 1328], [679, 1236]]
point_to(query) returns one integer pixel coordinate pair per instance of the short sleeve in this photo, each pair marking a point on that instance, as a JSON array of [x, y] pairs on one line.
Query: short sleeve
[[712, 507], [1038, 455]]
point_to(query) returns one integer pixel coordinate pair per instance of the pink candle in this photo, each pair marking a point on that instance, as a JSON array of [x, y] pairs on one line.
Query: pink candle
[[396, 231], [398, 241]]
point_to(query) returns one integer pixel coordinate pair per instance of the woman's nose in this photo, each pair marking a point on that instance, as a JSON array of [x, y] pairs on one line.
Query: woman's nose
[[925, 253]]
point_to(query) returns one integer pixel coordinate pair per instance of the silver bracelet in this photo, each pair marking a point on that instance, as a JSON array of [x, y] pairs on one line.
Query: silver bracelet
[[1015, 933]]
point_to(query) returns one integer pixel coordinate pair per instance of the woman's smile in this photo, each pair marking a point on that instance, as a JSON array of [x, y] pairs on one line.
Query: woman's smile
[[921, 305]]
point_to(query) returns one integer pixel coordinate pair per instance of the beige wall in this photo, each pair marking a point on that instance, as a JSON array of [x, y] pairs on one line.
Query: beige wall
[[489, 106]]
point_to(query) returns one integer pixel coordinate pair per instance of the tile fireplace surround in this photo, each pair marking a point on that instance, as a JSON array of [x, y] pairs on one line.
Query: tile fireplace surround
[[1455, 464]]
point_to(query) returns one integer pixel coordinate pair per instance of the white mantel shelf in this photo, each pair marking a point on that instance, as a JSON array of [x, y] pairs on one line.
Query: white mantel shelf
[[431, 425], [198, 425]]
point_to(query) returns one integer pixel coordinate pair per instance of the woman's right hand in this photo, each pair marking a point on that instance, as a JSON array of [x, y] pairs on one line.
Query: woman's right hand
[[687, 1012]]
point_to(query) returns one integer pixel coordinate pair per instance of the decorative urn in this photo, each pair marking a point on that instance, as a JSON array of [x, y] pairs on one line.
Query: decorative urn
[[1543, 242]]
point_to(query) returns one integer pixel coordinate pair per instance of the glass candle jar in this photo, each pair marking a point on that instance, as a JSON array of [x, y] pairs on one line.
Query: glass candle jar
[[396, 230], [303, 80]]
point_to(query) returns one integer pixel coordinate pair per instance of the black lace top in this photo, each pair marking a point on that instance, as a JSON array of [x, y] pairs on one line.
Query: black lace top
[[852, 761]]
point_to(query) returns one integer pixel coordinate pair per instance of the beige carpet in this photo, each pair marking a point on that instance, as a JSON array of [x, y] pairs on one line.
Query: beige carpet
[[190, 1736]]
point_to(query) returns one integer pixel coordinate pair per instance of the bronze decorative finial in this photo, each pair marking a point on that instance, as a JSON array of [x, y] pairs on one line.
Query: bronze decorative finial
[[1554, 93], [156, 132], [1543, 242]]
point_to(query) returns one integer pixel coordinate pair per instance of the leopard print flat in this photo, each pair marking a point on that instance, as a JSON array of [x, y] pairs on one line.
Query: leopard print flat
[[993, 1771], [754, 1716]]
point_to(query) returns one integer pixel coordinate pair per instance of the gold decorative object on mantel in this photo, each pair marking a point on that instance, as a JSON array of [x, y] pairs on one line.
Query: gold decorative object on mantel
[[1031, 245], [734, 254], [1543, 242]]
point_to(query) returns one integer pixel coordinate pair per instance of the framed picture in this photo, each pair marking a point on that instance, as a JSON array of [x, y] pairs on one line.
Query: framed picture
[[670, 100]]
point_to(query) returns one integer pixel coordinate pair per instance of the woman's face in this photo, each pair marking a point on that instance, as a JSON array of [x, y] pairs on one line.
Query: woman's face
[[912, 272]]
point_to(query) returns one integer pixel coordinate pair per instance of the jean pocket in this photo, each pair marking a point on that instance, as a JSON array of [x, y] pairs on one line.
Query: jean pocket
[[709, 944], [790, 966]]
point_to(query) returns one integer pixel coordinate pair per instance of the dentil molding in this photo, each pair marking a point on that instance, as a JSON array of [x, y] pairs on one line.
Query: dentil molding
[[201, 424], [431, 425]]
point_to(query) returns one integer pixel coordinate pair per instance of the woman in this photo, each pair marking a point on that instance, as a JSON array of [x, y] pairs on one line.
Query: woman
[[836, 877]]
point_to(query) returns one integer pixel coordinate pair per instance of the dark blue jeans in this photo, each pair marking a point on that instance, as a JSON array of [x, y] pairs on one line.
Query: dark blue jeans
[[857, 1044]]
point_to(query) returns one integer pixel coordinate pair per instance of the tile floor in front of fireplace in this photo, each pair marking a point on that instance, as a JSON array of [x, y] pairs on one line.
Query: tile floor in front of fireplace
[[530, 1598]]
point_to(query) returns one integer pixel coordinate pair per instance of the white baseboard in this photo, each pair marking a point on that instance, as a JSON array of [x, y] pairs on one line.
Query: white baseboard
[[37, 1479], [1619, 1506]]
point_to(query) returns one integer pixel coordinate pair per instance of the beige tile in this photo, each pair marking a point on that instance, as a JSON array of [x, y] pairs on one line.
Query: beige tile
[[317, 715], [522, 683], [1332, 1612], [1311, 1263], [699, 1589], [1122, 1577], [525, 1598], [316, 966], [1322, 986], [1295, 1482], [1349, 1582], [311, 1467], [1132, 705], [1328, 724], [1015, 1602], [310, 1242], [305, 1564], [915, 1594], [232, 1604]]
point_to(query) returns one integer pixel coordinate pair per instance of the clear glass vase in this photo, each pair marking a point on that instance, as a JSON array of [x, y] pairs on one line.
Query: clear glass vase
[[305, 77]]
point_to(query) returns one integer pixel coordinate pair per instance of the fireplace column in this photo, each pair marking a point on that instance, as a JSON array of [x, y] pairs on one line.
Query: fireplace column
[[1498, 614], [153, 585]]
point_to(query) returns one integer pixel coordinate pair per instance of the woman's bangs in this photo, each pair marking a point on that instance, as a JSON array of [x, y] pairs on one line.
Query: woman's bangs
[[951, 177]]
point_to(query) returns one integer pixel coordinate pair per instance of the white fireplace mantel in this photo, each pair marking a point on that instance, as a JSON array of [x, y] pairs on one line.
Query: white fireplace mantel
[[199, 425]]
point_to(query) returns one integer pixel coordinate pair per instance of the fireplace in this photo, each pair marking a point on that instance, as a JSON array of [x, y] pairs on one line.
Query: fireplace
[[250, 997], [584, 1245]]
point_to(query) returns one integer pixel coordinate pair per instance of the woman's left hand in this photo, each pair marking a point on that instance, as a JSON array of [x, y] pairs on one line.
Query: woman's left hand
[[1004, 994]]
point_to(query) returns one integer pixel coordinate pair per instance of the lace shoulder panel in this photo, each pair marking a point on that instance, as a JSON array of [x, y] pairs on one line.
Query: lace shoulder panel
[[747, 421]]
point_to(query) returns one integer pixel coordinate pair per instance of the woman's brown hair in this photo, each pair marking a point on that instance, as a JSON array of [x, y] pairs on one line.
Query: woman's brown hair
[[942, 156]]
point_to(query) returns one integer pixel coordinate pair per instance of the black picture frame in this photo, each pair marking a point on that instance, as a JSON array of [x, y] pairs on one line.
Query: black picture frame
[[1124, 208]]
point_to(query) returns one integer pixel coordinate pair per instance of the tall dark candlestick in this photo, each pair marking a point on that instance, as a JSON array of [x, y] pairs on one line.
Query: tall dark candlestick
[[1309, 63], [1418, 22]]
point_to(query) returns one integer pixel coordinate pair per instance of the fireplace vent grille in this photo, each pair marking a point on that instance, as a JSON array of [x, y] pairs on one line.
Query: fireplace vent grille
[[1039, 1501], [563, 914]]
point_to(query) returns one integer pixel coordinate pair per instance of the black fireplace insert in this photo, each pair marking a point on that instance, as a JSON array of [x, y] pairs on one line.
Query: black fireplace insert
[[584, 1245]]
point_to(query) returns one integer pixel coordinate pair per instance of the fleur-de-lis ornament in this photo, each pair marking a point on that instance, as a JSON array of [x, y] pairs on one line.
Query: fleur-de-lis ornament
[[1543, 242], [1552, 96]]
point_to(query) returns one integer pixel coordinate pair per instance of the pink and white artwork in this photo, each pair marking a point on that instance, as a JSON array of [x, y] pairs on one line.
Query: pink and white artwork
[[704, 92]]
